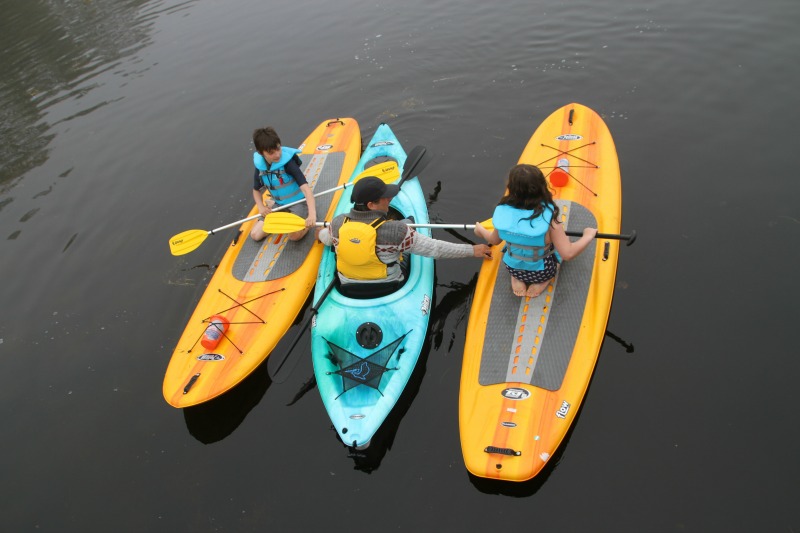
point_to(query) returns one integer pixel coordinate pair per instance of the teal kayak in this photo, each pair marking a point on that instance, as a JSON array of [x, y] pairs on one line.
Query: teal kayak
[[364, 349]]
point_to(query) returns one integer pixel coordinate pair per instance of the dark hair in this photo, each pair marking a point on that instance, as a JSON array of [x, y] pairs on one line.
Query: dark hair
[[266, 140], [527, 189]]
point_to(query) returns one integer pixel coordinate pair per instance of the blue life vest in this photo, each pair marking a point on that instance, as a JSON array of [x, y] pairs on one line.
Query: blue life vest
[[282, 186], [525, 237]]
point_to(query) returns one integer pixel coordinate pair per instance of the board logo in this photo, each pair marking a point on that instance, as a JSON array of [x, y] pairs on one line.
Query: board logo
[[515, 393], [211, 357], [357, 417], [563, 410], [324, 147], [508, 424], [569, 137], [383, 143]]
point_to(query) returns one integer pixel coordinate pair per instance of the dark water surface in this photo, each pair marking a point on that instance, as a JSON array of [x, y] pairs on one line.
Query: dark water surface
[[126, 122]]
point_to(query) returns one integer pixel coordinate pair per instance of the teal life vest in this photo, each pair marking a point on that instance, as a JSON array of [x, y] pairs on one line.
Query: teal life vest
[[525, 237], [282, 186]]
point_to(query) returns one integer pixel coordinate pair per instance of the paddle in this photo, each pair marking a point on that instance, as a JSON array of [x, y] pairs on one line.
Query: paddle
[[314, 311], [190, 240], [416, 160], [614, 236], [281, 223]]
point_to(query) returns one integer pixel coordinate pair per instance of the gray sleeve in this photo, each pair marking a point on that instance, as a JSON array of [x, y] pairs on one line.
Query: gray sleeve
[[325, 236], [428, 247]]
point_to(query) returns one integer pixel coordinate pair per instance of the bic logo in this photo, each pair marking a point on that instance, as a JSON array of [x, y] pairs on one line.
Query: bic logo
[[515, 393]]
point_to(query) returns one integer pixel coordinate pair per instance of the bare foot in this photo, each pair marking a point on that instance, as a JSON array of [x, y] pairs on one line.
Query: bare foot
[[536, 289], [517, 286]]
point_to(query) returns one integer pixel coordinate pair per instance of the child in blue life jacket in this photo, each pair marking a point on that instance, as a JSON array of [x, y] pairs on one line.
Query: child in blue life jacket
[[277, 169], [528, 220]]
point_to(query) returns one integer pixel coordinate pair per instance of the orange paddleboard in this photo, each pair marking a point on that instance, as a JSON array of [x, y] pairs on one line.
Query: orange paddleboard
[[260, 288], [528, 361]]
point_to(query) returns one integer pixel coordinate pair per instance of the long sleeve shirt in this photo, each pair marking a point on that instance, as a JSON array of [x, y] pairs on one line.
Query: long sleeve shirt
[[394, 238]]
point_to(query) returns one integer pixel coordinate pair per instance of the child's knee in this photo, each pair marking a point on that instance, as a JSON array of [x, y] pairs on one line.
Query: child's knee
[[256, 234]]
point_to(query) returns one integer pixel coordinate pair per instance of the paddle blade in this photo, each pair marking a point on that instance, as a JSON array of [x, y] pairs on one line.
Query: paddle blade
[[387, 172], [187, 241], [488, 224], [281, 223], [417, 159]]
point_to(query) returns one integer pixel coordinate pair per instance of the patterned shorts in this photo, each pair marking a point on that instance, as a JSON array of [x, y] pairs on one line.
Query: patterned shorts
[[536, 276]]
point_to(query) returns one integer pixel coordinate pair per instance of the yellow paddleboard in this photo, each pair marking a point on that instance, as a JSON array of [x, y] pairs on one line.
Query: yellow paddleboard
[[260, 288], [528, 361]]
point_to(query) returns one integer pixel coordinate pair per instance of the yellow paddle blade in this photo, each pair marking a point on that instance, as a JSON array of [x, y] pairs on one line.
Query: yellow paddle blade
[[387, 172], [281, 222], [187, 241], [488, 224]]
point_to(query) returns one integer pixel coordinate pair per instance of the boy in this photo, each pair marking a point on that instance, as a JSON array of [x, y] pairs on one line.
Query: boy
[[277, 168]]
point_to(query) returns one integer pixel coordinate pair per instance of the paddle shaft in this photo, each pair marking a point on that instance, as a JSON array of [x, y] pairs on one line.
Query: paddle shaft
[[314, 311], [630, 238], [279, 208]]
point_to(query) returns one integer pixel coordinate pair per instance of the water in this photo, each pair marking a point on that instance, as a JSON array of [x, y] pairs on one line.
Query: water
[[126, 122]]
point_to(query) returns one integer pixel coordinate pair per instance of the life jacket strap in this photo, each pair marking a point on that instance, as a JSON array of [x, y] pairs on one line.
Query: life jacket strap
[[539, 252]]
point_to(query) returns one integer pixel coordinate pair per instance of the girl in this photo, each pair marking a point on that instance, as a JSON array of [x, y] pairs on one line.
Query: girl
[[528, 220]]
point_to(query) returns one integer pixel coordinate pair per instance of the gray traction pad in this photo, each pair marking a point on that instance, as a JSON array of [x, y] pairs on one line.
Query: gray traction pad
[[276, 256], [514, 348]]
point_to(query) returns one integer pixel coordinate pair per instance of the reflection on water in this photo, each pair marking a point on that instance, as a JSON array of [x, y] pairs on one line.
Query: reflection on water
[[214, 420], [52, 51], [622, 342], [454, 305]]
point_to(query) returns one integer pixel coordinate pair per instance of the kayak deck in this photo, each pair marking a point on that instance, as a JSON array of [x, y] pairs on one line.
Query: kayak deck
[[364, 350]]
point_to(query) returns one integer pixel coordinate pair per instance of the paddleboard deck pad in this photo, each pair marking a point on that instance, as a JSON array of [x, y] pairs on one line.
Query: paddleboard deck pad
[[530, 340], [260, 287], [276, 256], [528, 361]]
